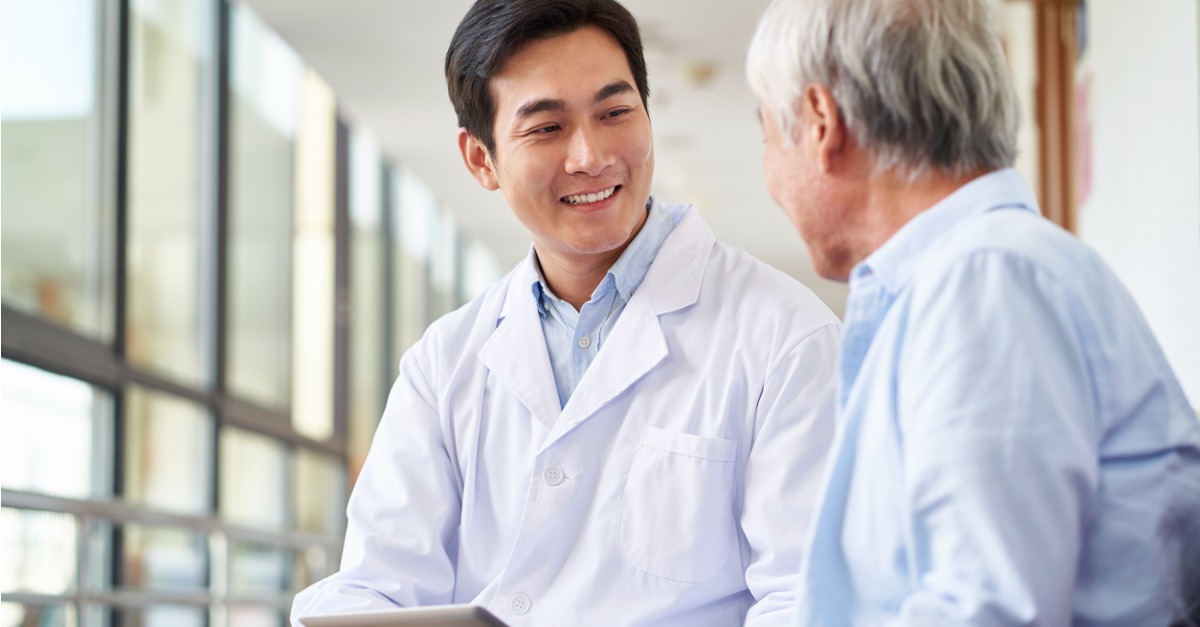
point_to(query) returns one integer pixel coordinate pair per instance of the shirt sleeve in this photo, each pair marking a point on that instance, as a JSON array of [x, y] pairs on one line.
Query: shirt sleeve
[[999, 442], [403, 513], [795, 427]]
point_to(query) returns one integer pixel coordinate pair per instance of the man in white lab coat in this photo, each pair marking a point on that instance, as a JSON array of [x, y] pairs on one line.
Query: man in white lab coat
[[629, 428]]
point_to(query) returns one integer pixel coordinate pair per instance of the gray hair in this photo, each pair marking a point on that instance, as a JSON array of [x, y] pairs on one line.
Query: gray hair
[[921, 84]]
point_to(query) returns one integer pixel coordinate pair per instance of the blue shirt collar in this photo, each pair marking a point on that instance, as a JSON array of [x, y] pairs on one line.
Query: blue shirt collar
[[630, 268], [894, 263]]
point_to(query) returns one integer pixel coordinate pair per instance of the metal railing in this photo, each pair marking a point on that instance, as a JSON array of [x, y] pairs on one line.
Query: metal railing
[[91, 516]]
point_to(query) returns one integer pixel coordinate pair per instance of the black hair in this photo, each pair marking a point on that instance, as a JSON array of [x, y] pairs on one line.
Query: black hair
[[494, 30]]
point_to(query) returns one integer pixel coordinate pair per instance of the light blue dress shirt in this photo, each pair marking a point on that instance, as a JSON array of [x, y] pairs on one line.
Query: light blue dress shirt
[[1013, 447], [573, 338]]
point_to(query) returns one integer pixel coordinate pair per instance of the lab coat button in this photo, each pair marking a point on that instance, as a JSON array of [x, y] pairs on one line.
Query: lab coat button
[[519, 604], [553, 476], [585, 342]]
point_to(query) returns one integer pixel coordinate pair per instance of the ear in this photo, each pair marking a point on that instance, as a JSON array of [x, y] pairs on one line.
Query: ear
[[822, 126], [478, 160]]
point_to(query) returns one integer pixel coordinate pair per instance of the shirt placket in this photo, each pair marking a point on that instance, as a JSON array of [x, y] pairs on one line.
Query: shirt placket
[[866, 306]]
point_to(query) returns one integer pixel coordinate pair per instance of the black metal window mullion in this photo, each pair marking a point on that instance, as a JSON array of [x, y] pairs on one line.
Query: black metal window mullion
[[342, 295], [116, 574], [220, 293], [121, 190], [47, 346], [391, 252]]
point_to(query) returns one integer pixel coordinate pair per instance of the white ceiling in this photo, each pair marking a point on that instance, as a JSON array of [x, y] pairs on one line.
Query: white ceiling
[[384, 60]]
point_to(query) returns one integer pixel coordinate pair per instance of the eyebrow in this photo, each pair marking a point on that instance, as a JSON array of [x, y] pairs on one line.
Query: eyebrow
[[610, 90], [540, 106], [557, 104]]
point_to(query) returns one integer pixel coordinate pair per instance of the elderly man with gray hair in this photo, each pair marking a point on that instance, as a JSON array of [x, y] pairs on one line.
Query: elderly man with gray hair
[[1014, 448]]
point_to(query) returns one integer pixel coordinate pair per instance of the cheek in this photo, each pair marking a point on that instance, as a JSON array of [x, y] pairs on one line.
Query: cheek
[[640, 147], [776, 177], [787, 187], [649, 158]]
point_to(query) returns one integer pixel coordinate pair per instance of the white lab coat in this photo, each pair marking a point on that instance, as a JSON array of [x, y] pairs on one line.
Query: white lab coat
[[675, 487]]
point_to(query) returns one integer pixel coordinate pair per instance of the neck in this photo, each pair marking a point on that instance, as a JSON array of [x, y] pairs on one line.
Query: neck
[[891, 202], [573, 279]]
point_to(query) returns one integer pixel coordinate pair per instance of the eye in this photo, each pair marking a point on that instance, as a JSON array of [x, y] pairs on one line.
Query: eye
[[616, 113], [545, 130]]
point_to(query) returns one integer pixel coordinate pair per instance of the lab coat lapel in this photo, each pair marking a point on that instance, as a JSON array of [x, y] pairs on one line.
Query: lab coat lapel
[[516, 353], [635, 347], [637, 344]]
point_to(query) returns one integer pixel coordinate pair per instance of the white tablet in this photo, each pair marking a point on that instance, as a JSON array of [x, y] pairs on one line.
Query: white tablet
[[432, 615]]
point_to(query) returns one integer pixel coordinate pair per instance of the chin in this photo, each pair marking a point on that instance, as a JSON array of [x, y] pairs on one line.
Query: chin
[[599, 246], [831, 269]]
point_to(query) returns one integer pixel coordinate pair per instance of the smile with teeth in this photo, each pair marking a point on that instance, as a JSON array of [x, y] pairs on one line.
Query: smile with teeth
[[583, 199]]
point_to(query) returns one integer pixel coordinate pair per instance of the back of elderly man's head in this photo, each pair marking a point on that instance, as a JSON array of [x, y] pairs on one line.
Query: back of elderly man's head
[[922, 84]]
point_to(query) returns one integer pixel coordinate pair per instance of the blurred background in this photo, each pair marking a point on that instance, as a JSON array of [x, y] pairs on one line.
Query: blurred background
[[223, 223]]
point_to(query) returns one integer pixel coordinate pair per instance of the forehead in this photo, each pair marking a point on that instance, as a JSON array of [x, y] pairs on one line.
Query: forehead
[[574, 65]]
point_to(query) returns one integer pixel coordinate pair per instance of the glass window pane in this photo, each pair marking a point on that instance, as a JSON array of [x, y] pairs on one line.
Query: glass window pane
[[40, 551], [480, 270], [313, 276], [251, 616], [319, 487], [22, 615], [58, 226], [443, 263], [413, 209], [168, 452], [161, 558], [163, 616], [170, 137], [57, 433], [258, 570], [370, 372], [310, 566], [265, 101], [99, 575], [253, 479], [96, 615]]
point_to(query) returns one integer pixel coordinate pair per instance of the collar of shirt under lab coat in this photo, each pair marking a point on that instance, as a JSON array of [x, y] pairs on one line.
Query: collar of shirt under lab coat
[[573, 338]]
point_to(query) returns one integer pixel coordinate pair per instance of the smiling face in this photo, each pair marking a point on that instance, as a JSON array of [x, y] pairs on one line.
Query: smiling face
[[574, 156]]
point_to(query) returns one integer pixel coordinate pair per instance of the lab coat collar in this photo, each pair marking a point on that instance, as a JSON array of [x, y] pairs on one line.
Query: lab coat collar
[[637, 343], [516, 353], [673, 280]]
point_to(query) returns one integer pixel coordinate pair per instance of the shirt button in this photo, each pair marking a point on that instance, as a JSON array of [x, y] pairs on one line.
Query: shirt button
[[585, 342], [519, 604], [553, 476]]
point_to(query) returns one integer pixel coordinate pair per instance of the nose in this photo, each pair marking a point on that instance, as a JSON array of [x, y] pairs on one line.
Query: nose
[[587, 151]]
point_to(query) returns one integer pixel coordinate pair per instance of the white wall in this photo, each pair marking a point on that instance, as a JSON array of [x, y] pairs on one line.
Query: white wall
[[1143, 211], [1015, 20]]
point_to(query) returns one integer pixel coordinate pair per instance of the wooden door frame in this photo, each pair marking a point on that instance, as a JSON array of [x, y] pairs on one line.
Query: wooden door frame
[[1056, 31]]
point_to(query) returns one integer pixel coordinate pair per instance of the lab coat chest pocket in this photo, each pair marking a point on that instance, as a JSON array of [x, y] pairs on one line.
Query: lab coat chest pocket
[[676, 516]]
